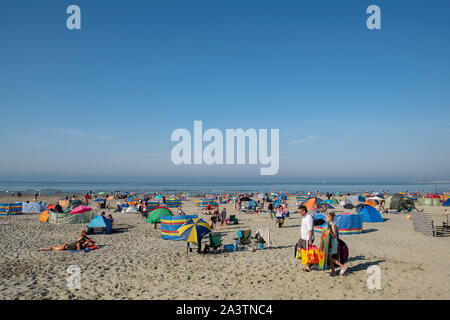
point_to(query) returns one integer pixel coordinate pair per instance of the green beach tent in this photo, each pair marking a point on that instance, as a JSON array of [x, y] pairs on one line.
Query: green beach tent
[[155, 215]]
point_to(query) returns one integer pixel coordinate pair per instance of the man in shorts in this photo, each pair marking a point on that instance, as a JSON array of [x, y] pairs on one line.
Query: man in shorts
[[306, 232]]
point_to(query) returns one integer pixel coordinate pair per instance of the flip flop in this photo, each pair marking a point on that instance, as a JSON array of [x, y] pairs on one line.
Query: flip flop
[[306, 270], [343, 271]]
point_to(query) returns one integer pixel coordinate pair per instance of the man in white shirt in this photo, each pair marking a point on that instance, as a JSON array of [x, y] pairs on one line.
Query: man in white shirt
[[306, 232]]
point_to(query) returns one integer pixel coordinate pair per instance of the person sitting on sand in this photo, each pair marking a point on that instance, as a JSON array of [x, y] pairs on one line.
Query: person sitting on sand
[[333, 247], [85, 241], [180, 212]]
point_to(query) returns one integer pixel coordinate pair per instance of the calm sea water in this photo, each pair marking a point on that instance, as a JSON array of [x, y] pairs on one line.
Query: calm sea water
[[82, 187]]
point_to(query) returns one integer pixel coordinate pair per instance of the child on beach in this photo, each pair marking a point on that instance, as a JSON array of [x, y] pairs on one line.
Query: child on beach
[[333, 247], [8, 213]]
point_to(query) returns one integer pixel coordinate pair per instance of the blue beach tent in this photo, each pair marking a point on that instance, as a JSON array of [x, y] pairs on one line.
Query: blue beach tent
[[100, 225], [370, 214], [446, 203]]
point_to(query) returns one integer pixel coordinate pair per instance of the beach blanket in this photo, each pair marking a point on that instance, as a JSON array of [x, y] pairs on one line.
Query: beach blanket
[[84, 250]]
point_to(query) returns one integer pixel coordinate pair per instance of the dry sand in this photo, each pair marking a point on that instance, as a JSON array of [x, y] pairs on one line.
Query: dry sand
[[138, 264]]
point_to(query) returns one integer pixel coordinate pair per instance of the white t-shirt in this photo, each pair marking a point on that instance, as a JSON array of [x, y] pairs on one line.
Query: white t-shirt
[[307, 225]]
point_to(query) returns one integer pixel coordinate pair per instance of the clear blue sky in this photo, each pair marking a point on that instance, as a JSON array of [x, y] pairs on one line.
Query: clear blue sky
[[350, 103]]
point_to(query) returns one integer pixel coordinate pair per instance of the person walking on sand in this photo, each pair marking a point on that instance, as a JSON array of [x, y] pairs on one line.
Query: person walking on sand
[[223, 217], [306, 232], [333, 247]]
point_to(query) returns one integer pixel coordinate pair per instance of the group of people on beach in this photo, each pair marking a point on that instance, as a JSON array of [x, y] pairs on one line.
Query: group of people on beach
[[217, 216]]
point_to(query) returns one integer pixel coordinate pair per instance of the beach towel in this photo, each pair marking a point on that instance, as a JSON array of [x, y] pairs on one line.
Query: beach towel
[[85, 249], [266, 234]]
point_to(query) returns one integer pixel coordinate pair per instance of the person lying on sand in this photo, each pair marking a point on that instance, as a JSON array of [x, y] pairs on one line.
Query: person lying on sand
[[64, 247]]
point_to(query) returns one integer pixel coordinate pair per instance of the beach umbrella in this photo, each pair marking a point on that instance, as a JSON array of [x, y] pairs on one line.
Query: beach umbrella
[[155, 215], [101, 192], [194, 230], [80, 209], [99, 200], [375, 198], [245, 199], [159, 196]]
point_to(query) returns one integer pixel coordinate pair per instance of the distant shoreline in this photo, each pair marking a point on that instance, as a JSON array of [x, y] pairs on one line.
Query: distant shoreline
[[433, 181]]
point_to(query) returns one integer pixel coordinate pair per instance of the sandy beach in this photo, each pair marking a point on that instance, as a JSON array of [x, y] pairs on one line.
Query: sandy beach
[[138, 264]]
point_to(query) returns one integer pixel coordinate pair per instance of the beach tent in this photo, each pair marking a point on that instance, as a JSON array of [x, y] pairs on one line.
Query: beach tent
[[395, 201], [370, 214], [282, 196], [131, 209], [155, 215], [446, 203], [44, 216], [400, 202], [312, 203], [361, 198], [100, 225], [429, 202], [387, 202], [33, 207], [371, 203], [15, 209], [251, 203], [170, 225]]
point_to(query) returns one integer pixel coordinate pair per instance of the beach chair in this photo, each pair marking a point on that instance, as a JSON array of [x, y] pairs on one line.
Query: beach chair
[[259, 241], [215, 241], [244, 238], [233, 220]]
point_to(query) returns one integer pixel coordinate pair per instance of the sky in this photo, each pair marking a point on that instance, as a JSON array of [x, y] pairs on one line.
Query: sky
[[350, 103]]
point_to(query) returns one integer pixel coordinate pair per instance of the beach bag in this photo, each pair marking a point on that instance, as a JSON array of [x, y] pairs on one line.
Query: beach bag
[[310, 256]]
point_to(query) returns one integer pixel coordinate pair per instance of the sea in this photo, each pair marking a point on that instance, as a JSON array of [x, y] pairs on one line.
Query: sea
[[58, 187]]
